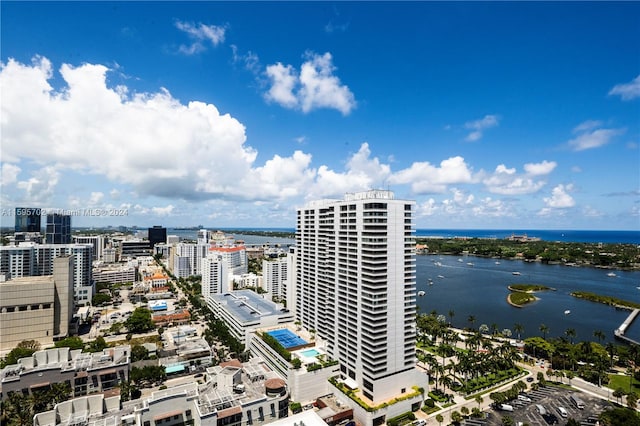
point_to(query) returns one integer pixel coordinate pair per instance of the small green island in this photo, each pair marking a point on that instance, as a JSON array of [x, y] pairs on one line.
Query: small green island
[[607, 300], [522, 294]]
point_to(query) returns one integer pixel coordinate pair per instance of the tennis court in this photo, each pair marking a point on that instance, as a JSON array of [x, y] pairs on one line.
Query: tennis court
[[286, 338]]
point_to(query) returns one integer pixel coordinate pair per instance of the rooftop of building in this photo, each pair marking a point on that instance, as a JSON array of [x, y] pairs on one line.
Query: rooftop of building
[[36, 279], [66, 359], [247, 305]]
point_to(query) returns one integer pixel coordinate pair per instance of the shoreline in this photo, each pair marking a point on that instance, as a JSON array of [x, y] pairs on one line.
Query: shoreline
[[521, 306]]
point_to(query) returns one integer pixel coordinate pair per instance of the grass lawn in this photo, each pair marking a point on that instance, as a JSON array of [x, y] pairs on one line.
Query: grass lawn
[[617, 381]]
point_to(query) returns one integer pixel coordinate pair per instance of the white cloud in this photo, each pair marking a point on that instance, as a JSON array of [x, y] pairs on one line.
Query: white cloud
[[590, 139], [96, 198], [428, 208], [39, 188], [10, 173], [506, 181], [627, 91], [362, 173], [149, 141], [250, 61], [489, 207], [537, 169], [163, 211], [587, 125], [284, 80], [427, 178], [478, 126], [314, 87], [560, 198], [200, 34]]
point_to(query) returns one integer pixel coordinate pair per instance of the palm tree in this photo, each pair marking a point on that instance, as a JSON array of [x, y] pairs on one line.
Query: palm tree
[[611, 350], [451, 315], [518, 328], [570, 333], [479, 400], [599, 334], [471, 319], [544, 330], [494, 329]]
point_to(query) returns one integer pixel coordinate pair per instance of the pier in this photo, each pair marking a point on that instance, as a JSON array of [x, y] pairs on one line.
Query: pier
[[619, 332]]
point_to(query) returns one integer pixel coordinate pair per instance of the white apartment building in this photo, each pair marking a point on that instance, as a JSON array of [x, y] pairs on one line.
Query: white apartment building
[[96, 241], [234, 256], [215, 276], [274, 273], [187, 259], [356, 286], [30, 259]]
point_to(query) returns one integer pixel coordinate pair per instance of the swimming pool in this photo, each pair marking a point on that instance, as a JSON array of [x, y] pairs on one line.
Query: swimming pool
[[310, 353]]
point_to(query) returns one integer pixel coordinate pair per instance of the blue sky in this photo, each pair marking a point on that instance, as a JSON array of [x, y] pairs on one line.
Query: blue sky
[[497, 115]]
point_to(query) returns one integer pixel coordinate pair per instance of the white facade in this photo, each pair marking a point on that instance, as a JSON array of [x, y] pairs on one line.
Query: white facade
[[234, 256], [274, 273], [96, 241], [215, 276], [30, 259], [356, 286]]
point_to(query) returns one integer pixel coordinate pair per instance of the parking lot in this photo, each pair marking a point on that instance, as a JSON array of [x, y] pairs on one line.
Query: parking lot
[[549, 398]]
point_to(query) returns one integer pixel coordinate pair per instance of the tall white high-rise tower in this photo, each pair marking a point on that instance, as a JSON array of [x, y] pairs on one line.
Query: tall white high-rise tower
[[355, 284]]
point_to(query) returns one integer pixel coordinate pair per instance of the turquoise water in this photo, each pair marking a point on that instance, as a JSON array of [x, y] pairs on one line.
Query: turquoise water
[[310, 353]]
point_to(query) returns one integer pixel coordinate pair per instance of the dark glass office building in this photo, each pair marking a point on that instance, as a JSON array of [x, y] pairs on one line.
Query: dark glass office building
[[28, 219], [157, 234], [58, 229]]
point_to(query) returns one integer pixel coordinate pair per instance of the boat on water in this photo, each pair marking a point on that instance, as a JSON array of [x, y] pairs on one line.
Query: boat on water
[[421, 293], [460, 260], [440, 276], [470, 263], [567, 312], [611, 274], [438, 264], [497, 263], [515, 273]]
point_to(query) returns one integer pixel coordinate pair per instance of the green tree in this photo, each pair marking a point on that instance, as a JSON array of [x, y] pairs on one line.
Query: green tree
[[632, 400], [439, 419], [544, 329], [140, 321], [24, 349], [138, 353], [97, 345], [73, 342], [518, 328]]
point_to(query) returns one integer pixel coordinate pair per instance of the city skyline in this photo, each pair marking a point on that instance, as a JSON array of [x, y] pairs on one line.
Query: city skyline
[[488, 115]]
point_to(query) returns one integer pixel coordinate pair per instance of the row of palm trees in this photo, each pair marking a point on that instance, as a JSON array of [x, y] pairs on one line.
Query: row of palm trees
[[481, 355]]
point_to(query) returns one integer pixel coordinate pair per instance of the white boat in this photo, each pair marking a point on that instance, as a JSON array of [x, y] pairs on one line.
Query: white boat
[[497, 263], [611, 274], [516, 273], [438, 264], [470, 263], [460, 260], [421, 293], [567, 312], [440, 276]]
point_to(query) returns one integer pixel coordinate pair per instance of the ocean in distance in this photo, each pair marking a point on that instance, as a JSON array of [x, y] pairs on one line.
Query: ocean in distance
[[576, 236]]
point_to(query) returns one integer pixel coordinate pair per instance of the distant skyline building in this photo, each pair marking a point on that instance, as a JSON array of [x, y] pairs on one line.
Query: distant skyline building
[[58, 230], [356, 286], [28, 219], [156, 235]]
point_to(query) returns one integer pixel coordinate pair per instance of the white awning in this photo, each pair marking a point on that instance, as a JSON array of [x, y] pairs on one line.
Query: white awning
[[350, 383]]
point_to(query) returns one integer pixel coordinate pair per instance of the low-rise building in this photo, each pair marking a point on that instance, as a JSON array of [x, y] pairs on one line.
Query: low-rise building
[[245, 310], [232, 394], [85, 372]]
